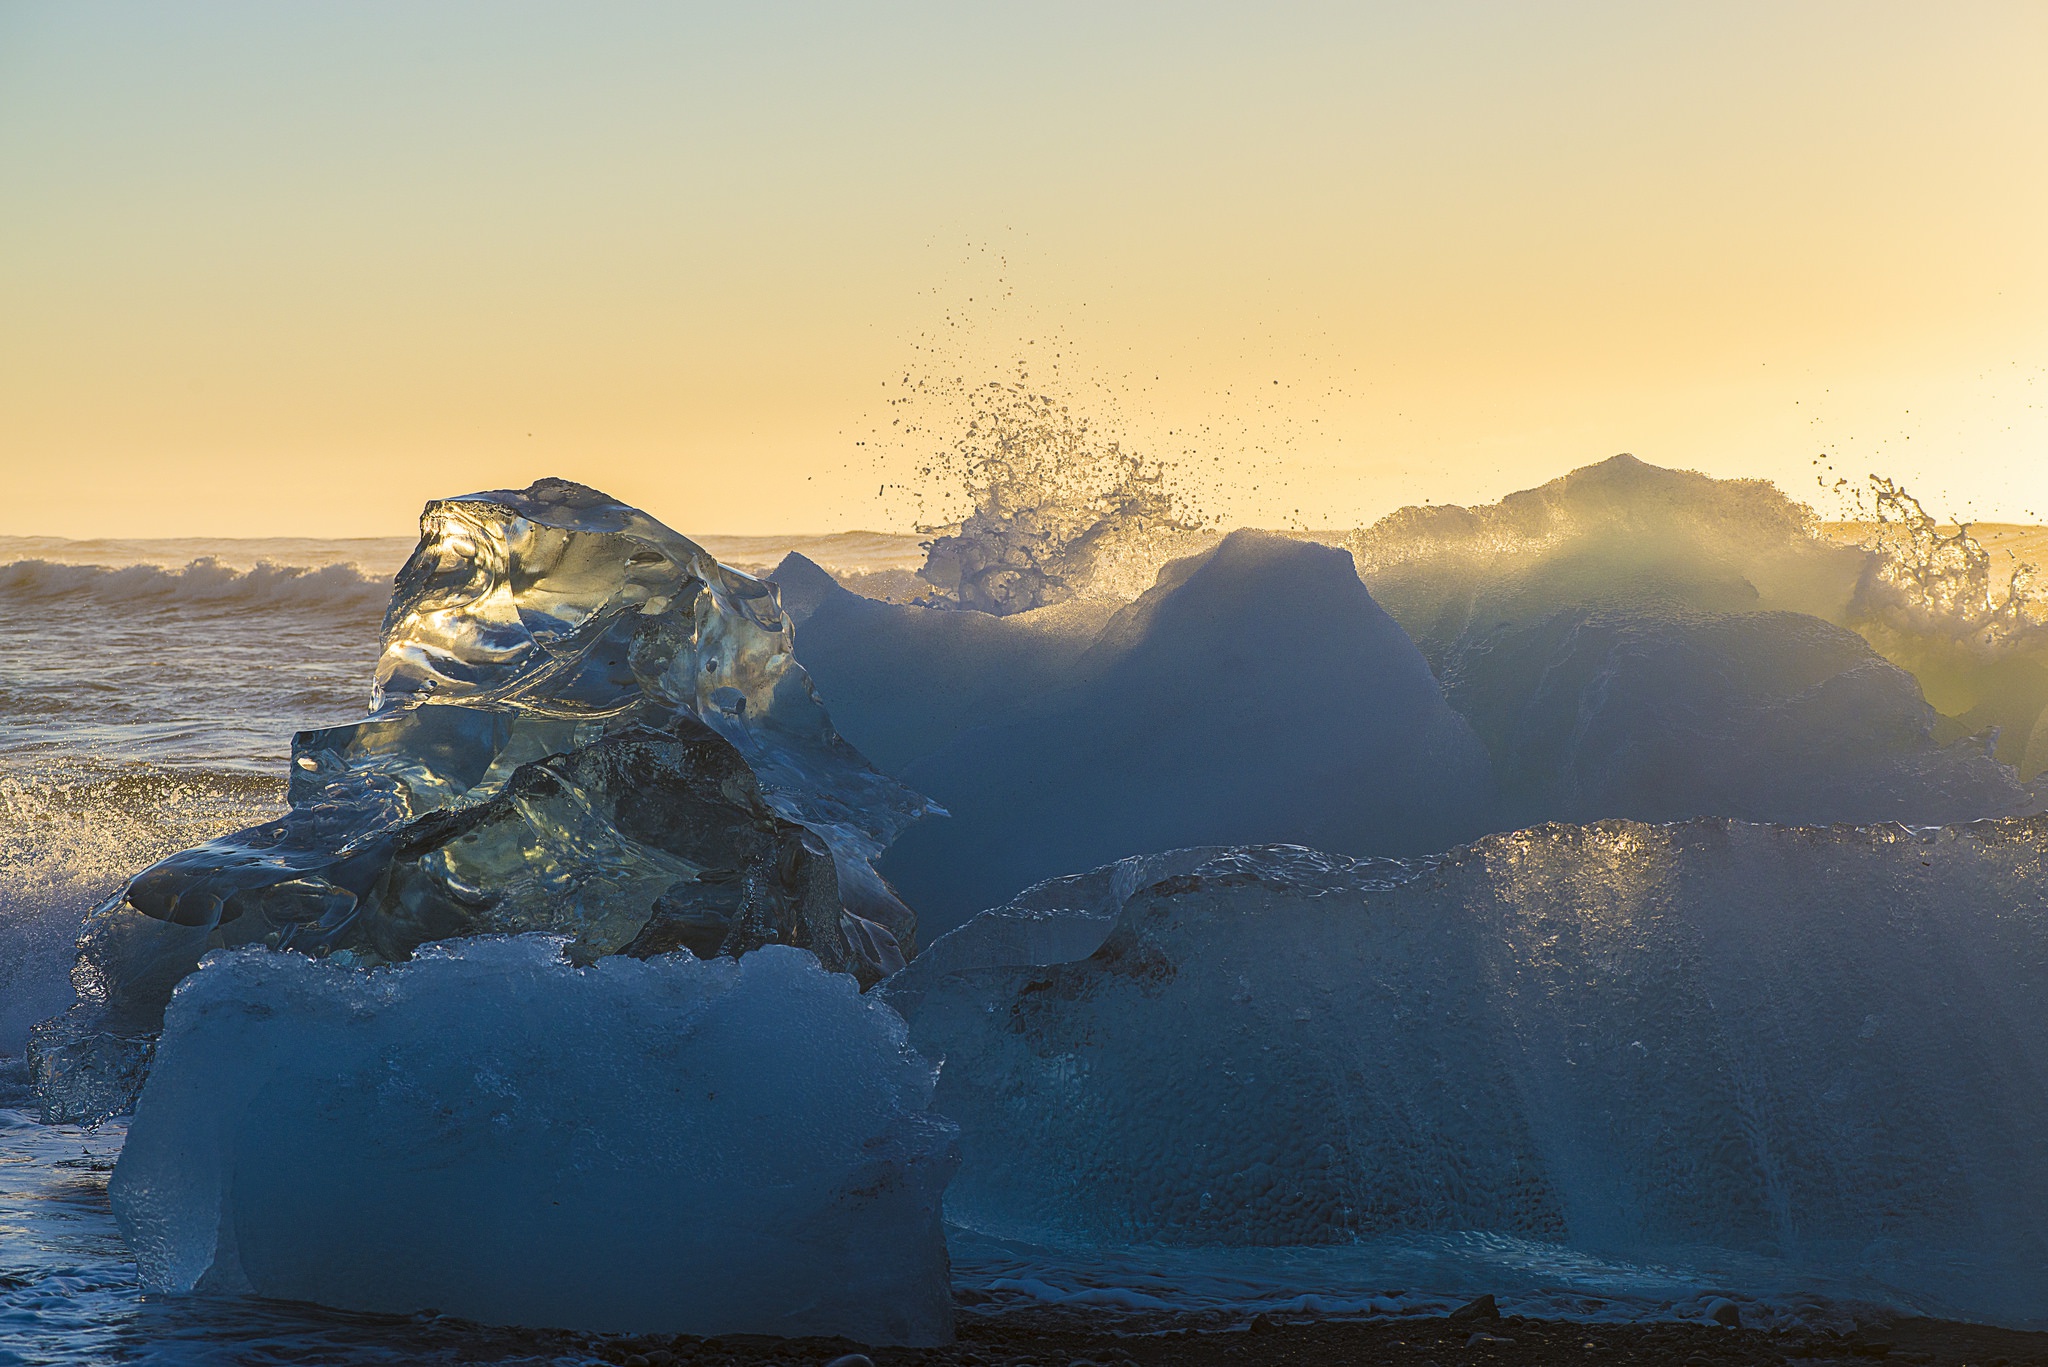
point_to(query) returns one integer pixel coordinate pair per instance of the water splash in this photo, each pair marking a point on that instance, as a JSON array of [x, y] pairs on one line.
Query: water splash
[[1018, 458], [1926, 578], [1052, 502], [76, 830]]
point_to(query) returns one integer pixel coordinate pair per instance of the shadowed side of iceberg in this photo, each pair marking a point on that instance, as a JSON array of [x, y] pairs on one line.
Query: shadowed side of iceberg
[[1662, 715], [1257, 693], [1653, 577]]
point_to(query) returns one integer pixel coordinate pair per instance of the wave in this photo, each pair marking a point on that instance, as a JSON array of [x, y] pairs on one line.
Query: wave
[[76, 830], [205, 581]]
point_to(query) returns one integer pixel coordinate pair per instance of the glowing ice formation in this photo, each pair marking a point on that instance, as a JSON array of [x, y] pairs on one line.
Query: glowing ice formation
[[488, 1131], [1826, 1048], [582, 724], [1693, 562]]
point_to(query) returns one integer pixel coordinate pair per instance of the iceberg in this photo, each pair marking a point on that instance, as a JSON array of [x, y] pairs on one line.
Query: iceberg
[[1707, 1043], [1626, 643], [1255, 693], [1694, 558], [490, 1131], [581, 723]]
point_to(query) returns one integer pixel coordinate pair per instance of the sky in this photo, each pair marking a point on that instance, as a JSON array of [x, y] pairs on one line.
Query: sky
[[294, 269]]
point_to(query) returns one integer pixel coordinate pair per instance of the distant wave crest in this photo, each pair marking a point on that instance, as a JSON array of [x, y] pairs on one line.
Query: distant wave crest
[[205, 581]]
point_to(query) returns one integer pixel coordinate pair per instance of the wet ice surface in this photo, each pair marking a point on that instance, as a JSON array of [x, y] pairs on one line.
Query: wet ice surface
[[69, 1293]]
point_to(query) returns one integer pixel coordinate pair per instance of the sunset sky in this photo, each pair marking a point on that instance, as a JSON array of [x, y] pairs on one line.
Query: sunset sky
[[294, 268]]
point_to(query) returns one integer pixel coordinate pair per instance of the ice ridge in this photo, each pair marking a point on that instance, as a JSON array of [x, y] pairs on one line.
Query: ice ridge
[[1256, 692]]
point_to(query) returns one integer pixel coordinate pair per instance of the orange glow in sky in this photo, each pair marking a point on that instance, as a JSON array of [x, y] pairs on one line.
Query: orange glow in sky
[[294, 269]]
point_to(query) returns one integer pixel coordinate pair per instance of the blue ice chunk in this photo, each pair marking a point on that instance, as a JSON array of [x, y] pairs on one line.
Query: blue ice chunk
[[670, 1145]]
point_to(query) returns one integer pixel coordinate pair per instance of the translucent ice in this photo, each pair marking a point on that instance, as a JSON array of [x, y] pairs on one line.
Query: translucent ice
[[672, 1145], [1825, 1048], [582, 723], [1624, 540]]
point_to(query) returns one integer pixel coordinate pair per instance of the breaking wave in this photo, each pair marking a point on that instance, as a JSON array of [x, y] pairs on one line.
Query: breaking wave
[[205, 582], [1045, 500]]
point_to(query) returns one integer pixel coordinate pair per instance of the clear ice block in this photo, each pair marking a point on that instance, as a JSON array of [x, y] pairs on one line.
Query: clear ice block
[[582, 723]]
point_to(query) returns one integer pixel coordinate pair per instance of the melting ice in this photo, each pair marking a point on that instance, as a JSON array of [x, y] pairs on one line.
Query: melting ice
[[581, 723], [1591, 1065]]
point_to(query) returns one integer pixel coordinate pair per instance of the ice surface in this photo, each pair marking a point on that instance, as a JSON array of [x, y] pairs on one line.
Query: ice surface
[[582, 724], [1688, 557], [1054, 922], [671, 1145], [1826, 1049], [1255, 693], [1662, 715], [903, 681]]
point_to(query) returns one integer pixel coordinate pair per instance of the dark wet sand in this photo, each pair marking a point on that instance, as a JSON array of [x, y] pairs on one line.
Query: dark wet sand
[[1064, 1338]]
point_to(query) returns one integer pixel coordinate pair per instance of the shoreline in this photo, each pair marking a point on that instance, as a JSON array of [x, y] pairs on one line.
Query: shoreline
[[1066, 1338]]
